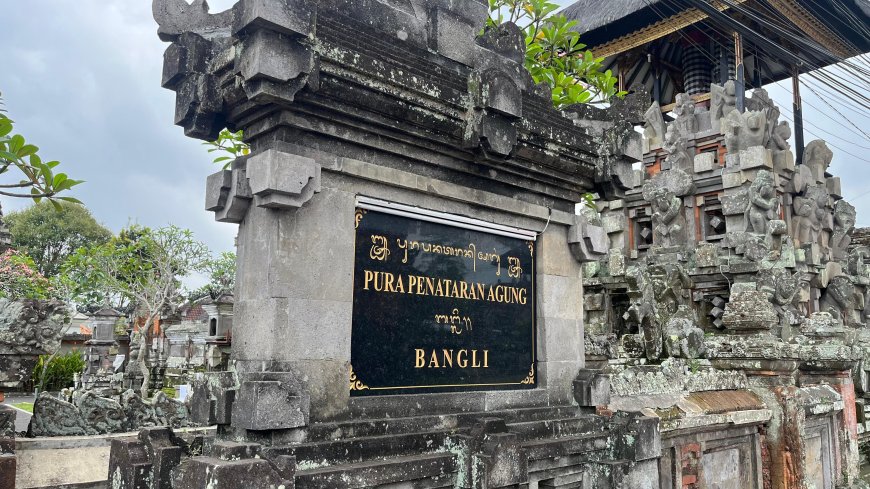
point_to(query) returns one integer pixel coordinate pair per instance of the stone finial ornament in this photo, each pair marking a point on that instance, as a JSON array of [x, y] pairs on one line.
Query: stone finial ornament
[[763, 203], [654, 123], [175, 17], [761, 102]]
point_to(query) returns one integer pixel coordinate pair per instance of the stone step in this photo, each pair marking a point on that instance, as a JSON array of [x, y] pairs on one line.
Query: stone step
[[428, 471], [385, 426], [560, 427], [361, 449], [562, 447]]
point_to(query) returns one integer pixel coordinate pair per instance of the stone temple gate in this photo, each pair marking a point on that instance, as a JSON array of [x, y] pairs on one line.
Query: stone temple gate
[[419, 304]]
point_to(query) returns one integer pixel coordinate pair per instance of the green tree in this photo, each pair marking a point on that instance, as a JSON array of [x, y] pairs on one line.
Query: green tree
[[222, 277], [554, 53], [50, 235], [144, 266], [23, 173]]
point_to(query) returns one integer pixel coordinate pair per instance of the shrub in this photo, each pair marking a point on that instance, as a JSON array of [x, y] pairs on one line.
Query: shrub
[[60, 371]]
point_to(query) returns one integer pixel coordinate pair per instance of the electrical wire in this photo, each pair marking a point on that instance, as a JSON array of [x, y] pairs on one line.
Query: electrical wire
[[714, 61], [861, 131]]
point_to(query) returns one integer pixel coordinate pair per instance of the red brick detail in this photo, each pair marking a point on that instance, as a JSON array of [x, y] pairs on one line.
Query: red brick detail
[[603, 411], [765, 463], [850, 418], [690, 460]]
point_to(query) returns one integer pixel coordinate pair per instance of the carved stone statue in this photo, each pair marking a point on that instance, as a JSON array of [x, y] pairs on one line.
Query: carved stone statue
[[668, 225], [761, 102], [801, 300], [779, 137], [762, 203], [783, 290], [685, 111], [817, 157], [659, 293], [743, 131], [809, 210], [722, 102], [676, 145], [844, 224], [654, 124], [839, 300]]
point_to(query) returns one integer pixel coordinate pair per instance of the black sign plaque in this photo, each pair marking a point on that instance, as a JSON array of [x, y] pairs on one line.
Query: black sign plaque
[[439, 308]]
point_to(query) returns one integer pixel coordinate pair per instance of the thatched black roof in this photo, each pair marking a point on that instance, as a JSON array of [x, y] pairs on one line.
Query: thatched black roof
[[602, 21], [592, 14]]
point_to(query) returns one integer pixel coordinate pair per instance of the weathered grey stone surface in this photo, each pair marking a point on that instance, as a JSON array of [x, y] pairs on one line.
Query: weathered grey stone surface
[[399, 101], [55, 417], [102, 414], [27, 329]]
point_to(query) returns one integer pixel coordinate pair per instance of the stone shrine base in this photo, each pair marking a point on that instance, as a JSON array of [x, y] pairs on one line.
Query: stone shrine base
[[71, 461], [544, 447]]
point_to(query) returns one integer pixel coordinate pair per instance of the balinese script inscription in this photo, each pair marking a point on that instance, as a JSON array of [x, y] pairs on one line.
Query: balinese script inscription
[[440, 308]]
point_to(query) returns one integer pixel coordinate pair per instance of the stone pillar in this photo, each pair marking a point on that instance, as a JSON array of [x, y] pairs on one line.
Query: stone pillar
[[295, 295], [560, 314]]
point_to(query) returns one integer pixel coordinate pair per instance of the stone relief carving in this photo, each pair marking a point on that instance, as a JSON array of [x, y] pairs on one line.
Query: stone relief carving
[[743, 131], [809, 211], [839, 300], [676, 144], [668, 221], [685, 111], [762, 203]]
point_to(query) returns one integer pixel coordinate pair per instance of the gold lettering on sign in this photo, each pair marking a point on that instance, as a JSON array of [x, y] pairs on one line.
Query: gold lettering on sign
[[358, 217], [380, 249], [470, 252], [514, 268], [449, 358], [443, 287], [457, 323]]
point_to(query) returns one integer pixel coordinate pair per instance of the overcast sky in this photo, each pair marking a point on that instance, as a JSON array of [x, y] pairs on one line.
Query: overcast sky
[[82, 81]]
